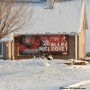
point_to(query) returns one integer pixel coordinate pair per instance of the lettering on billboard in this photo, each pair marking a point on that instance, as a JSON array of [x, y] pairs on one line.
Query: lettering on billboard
[[36, 44]]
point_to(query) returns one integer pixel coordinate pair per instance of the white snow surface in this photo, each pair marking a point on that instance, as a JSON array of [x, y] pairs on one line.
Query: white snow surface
[[64, 18], [41, 74]]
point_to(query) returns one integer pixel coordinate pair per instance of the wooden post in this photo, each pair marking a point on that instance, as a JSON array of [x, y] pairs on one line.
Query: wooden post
[[76, 47]]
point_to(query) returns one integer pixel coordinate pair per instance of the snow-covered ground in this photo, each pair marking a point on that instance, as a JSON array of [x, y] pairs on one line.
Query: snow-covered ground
[[40, 74]]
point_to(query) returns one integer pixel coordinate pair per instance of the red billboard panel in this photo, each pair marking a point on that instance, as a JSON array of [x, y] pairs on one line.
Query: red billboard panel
[[36, 44]]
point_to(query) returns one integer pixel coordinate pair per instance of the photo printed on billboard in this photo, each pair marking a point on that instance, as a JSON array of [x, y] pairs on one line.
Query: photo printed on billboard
[[36, 44]]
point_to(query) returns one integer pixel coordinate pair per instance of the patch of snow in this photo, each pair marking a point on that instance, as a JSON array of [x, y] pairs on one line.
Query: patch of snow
[[40, 74], [79, 85]]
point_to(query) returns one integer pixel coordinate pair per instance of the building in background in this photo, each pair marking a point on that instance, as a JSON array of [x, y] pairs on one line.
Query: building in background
[[59, 29]]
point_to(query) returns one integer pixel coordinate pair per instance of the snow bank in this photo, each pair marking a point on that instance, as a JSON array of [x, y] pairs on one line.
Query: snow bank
[[40, 74], [80, 85]]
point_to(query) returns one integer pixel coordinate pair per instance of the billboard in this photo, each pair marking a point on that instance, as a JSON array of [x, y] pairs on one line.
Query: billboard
[[40, 44]]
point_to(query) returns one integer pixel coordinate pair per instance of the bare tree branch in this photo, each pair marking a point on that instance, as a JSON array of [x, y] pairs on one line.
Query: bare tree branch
[[13, 17]]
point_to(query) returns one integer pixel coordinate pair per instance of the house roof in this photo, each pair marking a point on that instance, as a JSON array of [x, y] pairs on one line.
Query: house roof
[[64, 18], [7, 38]]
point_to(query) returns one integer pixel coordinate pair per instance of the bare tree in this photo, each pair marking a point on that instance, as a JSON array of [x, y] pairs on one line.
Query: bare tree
[[13, 16]]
